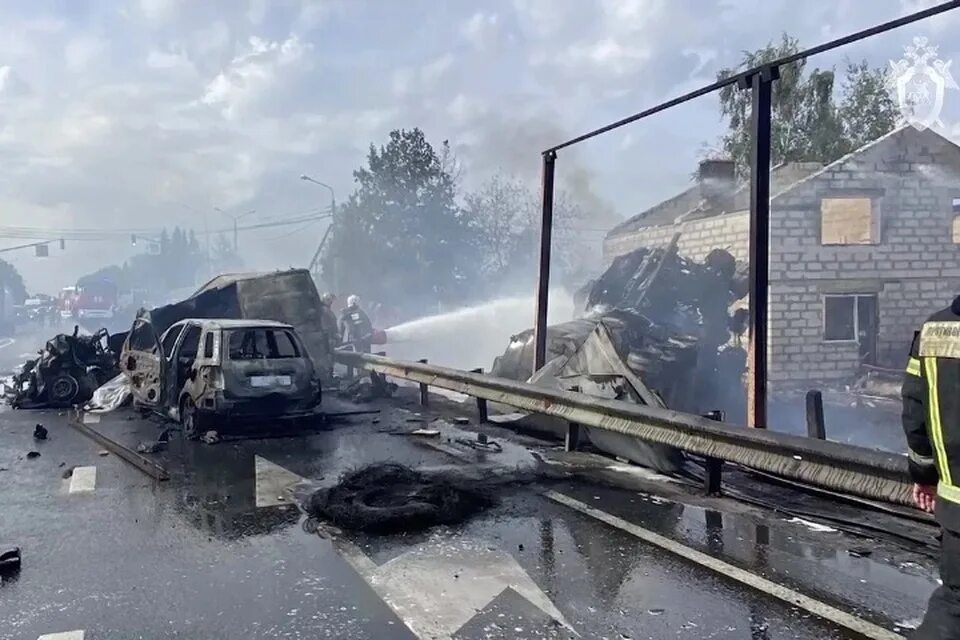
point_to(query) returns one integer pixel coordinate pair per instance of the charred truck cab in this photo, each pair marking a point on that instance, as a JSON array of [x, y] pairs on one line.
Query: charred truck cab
[[209, 372]]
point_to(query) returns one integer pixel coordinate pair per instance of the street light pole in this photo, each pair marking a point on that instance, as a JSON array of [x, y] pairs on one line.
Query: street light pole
[[236, 218], [333, 221]]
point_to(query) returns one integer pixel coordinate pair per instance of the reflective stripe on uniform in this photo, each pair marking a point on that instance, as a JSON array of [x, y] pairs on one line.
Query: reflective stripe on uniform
[[916, 458], [913, 367], [936, 429], [948, 492]]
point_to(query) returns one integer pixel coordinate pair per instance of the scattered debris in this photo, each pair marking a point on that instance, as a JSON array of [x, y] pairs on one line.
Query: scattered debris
[[210, 437], [428, 433], [111, 395], [103, 452], [386, 498], [461, 420], [860, 552], [369, 388], [481, 443], [9, 559], [66, 372], [151, 446], [32, 454], [67, 473], [40, 432]]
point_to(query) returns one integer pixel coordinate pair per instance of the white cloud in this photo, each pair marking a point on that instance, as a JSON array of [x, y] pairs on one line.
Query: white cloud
[[424, 79], [81, 52], [252, 73], [11, 84], [481, 30], [169, 60], [159, 10]]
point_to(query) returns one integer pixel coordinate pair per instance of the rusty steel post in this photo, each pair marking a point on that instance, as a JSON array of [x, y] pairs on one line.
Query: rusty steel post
[[482, 414], [816, 428], [424, 389], [543, 281], [761, 85]]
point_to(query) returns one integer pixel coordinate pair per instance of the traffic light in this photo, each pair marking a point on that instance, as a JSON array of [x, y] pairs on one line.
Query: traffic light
[[133, 239]]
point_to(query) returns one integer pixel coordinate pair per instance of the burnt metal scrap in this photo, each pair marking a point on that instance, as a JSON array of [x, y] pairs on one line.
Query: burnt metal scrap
[[655, 330], [67, 371], [667, 319]]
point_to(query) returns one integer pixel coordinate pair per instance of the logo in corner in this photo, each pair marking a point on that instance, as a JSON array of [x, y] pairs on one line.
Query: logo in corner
[[920, 80]]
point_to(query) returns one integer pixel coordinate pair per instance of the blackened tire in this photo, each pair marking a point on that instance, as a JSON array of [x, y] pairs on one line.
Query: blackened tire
[[190, 419], [62, 390]]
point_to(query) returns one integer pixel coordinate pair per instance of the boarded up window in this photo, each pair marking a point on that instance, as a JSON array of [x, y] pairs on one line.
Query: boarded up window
[[848, 221]]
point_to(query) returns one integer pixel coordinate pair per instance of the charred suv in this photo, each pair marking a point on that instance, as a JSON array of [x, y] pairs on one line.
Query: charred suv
[[208, 372]]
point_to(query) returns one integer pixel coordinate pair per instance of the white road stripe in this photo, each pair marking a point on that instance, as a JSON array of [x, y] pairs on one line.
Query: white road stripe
[[6, 342], [63, 635], [787, 595], [83, 480]]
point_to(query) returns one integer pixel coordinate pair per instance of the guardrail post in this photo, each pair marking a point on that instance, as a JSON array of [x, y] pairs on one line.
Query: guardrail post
[[481, 402], [713, 467], [424, 395], [815, 424], [572, 441]]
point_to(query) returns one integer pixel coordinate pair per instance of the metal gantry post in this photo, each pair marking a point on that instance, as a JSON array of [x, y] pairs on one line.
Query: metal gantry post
[[761, 85], [543, 280]]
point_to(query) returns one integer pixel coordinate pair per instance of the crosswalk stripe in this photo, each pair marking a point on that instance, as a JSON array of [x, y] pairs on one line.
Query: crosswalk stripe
[[63, 635], [83, 480]]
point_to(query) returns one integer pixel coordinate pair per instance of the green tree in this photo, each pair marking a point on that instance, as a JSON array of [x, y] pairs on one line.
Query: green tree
[[400, 239], [807, 124], [506, 213], [12, 281]]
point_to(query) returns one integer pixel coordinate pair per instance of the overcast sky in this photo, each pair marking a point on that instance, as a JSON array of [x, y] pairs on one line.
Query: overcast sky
[[142, 113]]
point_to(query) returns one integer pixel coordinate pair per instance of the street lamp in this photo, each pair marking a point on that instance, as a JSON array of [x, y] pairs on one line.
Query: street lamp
[[236, 218], [333, 221]]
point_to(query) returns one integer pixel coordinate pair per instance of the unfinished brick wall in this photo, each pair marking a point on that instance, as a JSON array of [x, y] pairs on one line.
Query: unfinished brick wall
[[912, 178]]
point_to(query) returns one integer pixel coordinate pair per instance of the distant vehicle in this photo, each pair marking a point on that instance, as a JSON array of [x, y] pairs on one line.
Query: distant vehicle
[[96, 299], [203, 372], [66, 301]]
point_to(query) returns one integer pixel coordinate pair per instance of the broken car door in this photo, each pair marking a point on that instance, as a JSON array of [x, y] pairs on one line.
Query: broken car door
[[142, 361]]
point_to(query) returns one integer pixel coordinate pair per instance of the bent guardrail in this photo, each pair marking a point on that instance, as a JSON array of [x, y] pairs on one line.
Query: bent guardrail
[[836, 466]]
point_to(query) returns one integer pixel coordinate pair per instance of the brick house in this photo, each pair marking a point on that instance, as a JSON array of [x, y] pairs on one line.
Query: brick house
[[861, 250]]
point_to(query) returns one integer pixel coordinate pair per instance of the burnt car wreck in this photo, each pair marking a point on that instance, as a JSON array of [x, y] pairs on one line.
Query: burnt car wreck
[[69, 368], [207, 373]]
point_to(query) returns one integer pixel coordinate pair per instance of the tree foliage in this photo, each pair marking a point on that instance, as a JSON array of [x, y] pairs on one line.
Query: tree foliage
[[12, 281], [401, 238], [173, 262], [807, 123], [507, 215]]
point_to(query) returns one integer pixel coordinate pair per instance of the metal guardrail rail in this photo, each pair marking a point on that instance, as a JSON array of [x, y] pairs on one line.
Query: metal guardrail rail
[[844, 468]]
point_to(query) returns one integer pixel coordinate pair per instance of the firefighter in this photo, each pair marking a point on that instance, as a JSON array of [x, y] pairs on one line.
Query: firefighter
[[931, 420], [328, 320], [355, 326]]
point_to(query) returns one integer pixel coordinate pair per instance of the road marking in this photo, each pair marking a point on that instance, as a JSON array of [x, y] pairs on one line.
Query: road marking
[[6, 342], [785, 594], [273, 484], [441, 585], [83, 480], [63, 635]]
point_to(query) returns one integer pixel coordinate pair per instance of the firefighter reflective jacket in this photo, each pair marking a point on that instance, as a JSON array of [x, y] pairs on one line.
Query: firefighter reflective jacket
[[931, 410]]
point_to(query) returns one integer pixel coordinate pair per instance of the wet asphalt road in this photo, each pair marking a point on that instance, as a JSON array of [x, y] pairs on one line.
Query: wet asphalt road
[[196, 557]]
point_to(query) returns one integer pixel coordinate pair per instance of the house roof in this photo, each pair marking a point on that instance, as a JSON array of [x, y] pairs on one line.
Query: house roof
[[783, 178], [690, 204]]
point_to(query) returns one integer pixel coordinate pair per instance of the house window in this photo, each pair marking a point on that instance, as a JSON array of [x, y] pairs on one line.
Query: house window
[[956, 220], [848, 317], [848, 221]]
